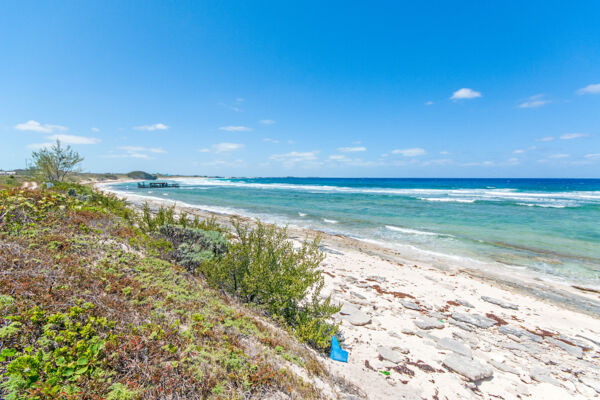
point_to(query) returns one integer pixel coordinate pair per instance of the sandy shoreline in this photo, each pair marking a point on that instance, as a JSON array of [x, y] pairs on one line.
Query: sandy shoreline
[[427, 327]]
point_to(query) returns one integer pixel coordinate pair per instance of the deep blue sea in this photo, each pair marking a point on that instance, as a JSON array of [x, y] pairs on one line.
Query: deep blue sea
[[549, 227]]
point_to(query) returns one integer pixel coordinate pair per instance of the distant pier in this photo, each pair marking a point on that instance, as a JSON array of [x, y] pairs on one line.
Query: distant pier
[[144, 185]]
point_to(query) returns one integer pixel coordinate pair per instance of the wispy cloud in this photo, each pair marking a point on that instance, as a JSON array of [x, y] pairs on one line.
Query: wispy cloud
[[223, 147], [153, 127], [267, 121], [38, 146], [465, 93], [590, 89], [232, 128], [140, 152], [570, 136], [519, 151], [352, 149], [293, 158], [479, 164], [534, 102], [429, 103], [561, 155], [412, 152], [592, 155], [35, 126], [546, 139], [72, 139], [269, 140]]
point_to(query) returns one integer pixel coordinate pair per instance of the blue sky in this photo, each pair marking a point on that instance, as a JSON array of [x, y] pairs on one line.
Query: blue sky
[[265, 88]]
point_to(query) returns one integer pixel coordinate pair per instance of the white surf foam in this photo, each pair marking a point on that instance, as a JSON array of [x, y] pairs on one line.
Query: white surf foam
[[410, 231]]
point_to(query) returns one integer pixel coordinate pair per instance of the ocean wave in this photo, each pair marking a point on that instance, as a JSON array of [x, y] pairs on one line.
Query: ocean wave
[[301, 214], [410, 231], [448, 199], [330, 221], [542, 205], [452, 195]]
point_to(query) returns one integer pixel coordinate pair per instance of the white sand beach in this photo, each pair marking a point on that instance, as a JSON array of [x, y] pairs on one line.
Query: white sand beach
[[416, 331]]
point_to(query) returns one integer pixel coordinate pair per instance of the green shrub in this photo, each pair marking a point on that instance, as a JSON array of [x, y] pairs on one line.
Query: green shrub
[[263, 267]]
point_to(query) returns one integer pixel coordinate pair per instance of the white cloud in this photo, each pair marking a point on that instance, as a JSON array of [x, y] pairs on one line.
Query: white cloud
[[153, 127], [413, 152], [512, 161], [593, 155], [223, 147], [95, 130], [479, 164], [309, 158], [534, 102], [72, 139], [519, 151], [267, 121], [235, 128], [429, 103], [546, 139], [141, 149], [569, 136], [437, 161], [590, 89], [352, 149], [444, 152], [339, 157], [465, 93], [559, 155], [35, 126], [269, 140]]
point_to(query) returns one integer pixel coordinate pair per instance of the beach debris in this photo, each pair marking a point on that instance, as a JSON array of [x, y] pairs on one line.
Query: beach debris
[[572, 350], [410, 305], [500, 302], [474, 319], [388, 353], [429, 323], [471, 369], [336, 352]]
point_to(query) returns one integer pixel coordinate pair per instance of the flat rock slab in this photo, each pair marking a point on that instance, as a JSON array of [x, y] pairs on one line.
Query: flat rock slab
[[387, 353], [591, 382], [359, 318], [504, 367], [477, 320], [499, 302], [519, 332], [348, 309], [429, 323], [465, 303], [411, 305], [461, 325], [542, 375], [572, 350], [470, 369], [454, 346]]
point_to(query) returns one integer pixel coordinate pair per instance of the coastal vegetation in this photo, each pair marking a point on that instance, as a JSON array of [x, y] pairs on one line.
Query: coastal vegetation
[[98, 301], [54, 163], [141, 175]]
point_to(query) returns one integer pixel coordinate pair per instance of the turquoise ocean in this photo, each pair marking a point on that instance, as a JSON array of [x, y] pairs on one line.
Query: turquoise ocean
[[546, 227]]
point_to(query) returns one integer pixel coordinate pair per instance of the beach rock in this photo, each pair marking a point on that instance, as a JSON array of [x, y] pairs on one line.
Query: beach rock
[[595, 341], [359, 318], [466, 337], [357, 295], [411, 305], [348, 309], [376, 278], [465, 303], [461, 325], [590, 382], [474, 319], [519, 332], [470, 369], [577, 342], [504, 367], [517, 348], [572, 350], [387, 353], [500, 302], [454, 346], [429, 323], [542, 375]]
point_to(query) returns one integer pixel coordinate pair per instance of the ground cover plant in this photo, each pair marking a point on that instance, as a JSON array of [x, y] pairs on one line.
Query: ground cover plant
[[96, 304]]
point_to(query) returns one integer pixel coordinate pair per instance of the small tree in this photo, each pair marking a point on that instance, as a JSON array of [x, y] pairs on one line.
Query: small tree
[[56, 162]]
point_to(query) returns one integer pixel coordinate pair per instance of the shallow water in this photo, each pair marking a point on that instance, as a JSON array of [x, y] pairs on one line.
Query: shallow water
[[547, 226]]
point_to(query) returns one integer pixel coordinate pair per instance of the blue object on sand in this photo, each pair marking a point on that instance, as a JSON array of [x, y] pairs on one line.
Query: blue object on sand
[[337, 353]]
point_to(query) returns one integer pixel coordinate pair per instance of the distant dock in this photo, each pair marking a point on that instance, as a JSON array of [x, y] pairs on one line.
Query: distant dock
[[144, 185]]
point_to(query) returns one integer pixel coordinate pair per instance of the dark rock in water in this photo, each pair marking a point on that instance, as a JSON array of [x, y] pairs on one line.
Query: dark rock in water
[[470, 369], [500, 303], [474, 319]]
